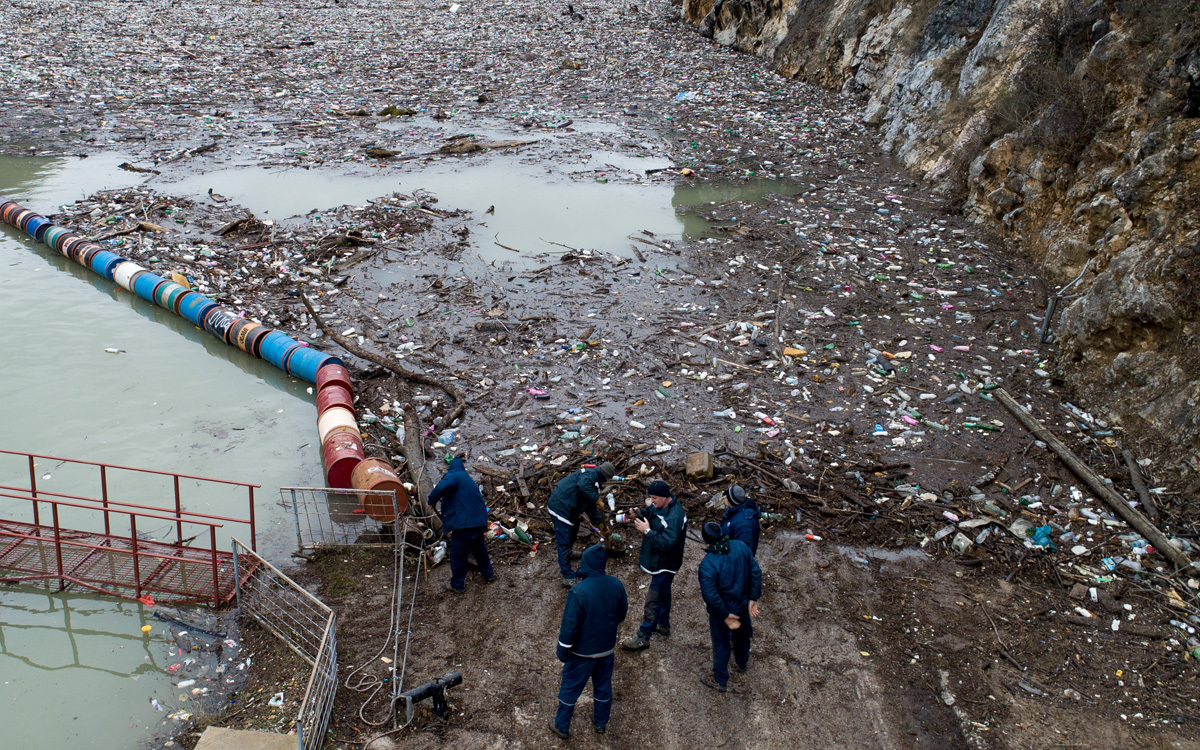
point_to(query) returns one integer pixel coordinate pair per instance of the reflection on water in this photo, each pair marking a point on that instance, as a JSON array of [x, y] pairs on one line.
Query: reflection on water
[[75, 669]]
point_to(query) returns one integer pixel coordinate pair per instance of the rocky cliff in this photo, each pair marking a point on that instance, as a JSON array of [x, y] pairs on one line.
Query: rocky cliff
[[1072, 128]]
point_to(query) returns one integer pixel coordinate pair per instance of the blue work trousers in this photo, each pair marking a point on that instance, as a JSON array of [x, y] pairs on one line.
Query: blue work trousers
[[464, 542], [564, 540], [726, 641], [657, 611], [575, 674]]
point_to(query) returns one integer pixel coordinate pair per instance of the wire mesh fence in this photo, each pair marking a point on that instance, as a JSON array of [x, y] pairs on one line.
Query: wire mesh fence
[[327, 517], [307, 626]]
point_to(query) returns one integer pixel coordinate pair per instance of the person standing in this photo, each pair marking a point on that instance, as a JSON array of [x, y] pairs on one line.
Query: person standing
[[575, 495], [730, 584], [741, 518], [464, 520], [595, 606], [663, 524]]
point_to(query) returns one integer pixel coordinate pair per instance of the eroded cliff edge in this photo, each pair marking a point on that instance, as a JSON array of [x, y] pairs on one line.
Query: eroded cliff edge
[[1070, 128]]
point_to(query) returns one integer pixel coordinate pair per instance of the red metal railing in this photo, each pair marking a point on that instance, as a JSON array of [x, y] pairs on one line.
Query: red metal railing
[[180, 515], [95, 560]]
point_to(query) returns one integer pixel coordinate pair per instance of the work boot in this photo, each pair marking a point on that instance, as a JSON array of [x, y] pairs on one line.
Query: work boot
[[599, 729], [568, 582], [740, 668], [635, 643], [710, 681], [663, 630], [456, 589], [554, 728]]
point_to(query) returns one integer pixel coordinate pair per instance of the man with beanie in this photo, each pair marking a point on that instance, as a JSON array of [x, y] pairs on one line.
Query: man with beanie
[[575, 495], [663, 524], [741, 518], [730, 584], [596, 605], [464, 520]]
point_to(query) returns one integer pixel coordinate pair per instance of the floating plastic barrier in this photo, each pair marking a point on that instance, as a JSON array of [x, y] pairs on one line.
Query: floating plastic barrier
[[342, 450]]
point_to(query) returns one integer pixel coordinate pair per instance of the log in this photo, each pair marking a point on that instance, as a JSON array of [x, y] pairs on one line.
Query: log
[[1114, 501], [460, 398], [414, 460], [1139, 484]]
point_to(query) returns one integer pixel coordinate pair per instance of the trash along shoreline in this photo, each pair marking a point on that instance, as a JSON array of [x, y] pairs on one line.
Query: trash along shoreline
[[846, 350]]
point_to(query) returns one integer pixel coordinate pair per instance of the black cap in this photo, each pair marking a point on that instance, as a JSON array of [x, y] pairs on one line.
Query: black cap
[[711, 532], [736, 495], [659, 488]]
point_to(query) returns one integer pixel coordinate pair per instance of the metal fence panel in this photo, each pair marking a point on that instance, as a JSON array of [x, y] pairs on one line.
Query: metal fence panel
[[306, 625], [328, 517]]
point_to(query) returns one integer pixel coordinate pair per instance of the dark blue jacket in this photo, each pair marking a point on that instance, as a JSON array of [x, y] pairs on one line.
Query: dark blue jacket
[[462, 502], [575, 494], [662, 546], [729, 580], [596, 605], [741, 523]]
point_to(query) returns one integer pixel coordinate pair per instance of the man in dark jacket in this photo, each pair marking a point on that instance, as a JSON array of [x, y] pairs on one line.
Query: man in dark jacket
[[730, 584], [464, 520], [596, 605], [741, 518], [663, 524], [575, 495]]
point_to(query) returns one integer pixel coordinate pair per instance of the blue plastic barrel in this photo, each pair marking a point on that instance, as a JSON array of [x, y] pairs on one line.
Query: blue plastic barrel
[[144, 284], [306, 361], [37, 226], [275, 345], [194, 306], [104, 263]]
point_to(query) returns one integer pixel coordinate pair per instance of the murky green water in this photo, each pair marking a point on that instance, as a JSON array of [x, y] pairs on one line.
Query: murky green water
[[75, 670], [535, 209]]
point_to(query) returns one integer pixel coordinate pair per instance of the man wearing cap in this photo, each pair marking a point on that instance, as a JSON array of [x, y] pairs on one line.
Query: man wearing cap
[[596, 605], [575, 495], [663, 524], [741, 518], [730, 584], [464, 520]]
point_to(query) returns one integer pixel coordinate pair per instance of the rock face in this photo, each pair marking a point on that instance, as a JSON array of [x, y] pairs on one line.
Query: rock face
[[1071, 128]]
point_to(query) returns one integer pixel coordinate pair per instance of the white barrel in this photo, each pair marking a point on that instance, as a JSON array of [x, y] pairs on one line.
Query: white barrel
[[336, 416], [124, 274]]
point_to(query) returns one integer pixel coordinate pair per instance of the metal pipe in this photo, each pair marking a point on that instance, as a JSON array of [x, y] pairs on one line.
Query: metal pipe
[[436, 689]]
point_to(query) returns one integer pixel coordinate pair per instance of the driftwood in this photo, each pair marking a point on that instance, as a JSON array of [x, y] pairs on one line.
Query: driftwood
[[460, 398], [1114, 501], [414, 459], [1139, 484]]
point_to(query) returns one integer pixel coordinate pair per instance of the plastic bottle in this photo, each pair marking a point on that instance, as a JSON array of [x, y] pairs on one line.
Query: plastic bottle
[[724, 414]]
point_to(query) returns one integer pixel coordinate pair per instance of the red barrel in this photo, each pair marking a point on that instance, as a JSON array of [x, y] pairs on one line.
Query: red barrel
[[334, 395], [341, 453], [334, 374], [377, 474]]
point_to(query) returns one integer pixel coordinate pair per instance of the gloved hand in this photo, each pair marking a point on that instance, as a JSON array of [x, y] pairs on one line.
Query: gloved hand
[[563, 653]]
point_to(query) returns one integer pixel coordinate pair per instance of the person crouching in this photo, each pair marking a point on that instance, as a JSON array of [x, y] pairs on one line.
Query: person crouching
[[464, 520]]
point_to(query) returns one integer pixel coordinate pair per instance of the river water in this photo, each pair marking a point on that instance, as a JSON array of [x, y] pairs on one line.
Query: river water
[[75, 668]]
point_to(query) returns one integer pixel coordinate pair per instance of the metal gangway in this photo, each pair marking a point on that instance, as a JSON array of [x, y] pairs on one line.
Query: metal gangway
[[109, 545]]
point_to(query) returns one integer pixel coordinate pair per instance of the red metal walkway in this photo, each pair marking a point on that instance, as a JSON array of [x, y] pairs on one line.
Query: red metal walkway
[[125, 565]]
